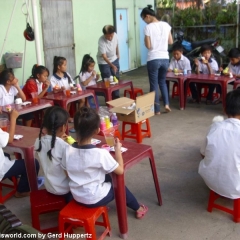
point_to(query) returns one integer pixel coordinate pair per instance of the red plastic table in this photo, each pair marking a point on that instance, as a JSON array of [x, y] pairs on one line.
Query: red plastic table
[[180, 79], [100, 87], [236, 84], [25, 146], [207, 78], [63, 101], [33, 107], [23, 109], [135, 154]]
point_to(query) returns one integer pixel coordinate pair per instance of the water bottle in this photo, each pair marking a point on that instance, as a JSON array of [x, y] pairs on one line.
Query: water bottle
[[185, 72], [102, 124], [114, 119], [107, 121]]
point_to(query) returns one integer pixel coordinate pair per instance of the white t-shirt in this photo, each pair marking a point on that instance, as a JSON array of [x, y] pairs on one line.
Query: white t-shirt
[[5, 163], [204, 69], [7, 97], [159, 34], [234, 69], [220, 166], [181, 64], [86, 167], [84, 77], [61, 82], [108, 48], [56, 181]]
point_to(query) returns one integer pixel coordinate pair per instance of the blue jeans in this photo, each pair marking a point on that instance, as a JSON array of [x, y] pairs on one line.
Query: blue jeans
[[18, 168], [157, 71], [106, 72]]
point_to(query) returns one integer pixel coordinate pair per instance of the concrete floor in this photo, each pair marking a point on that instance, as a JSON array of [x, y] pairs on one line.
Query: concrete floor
[[176, 139]]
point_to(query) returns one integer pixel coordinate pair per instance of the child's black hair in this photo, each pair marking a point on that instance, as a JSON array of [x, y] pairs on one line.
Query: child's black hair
[[234, 53], [232, 108], [108, 29], [86, 61], [54, 118], [86, 123], [58, 61], [147, 11], [5, 75], [38, 69], [177, 47], [205, 48]]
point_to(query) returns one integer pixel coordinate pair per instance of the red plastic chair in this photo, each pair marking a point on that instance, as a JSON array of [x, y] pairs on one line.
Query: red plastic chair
[[13, 186], [136, 131], [134, 94], [76, 215], [175, 92], [205, 92], [236, 206], [44, 202]]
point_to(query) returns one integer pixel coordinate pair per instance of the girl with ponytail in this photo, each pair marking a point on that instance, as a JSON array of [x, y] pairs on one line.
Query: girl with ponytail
[[50, 149]]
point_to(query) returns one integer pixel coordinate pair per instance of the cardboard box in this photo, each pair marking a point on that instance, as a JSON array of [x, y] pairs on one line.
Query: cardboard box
[[144, 108]]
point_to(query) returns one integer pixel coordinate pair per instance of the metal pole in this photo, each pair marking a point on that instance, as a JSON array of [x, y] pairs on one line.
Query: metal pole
[[114, 14], [36, 32], [237, 30], [9, 24]]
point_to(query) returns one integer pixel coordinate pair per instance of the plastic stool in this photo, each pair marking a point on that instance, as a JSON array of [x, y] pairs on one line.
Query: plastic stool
[[236, 206], [11, 186], [134, 94], [44, 202], [76, 215], [136, 131], [205, 92], [175, 91]]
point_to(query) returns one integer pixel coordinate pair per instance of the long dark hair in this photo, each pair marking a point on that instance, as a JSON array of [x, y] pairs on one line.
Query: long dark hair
[[86, 61], [58, 61], [148, 11], [86, 123], [5, 75], [54, 118], [38, 69]]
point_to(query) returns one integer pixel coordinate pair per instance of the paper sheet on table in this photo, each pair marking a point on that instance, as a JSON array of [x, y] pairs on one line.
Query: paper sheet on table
[[17, 137], [95, 141], [73, 92], [123, 149], [26, 103]]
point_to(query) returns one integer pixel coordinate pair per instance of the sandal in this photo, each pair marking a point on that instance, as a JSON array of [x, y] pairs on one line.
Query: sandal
[[193, 100], [142, 213], [157, 113], [167, 109], [218, 101], [21, 194]]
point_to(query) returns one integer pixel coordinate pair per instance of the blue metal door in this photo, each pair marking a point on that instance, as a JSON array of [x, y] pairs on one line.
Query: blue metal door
[[143, 49], [122, 32]]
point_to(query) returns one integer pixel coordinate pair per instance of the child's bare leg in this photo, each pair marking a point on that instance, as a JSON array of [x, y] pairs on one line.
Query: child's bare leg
[[28, 123], [70, 120], [81, 103]]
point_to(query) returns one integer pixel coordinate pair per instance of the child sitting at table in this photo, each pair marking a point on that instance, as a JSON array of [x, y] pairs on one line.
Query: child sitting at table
[[205, 65], [10, 168], [220, 165], [234, 65], [88, 167], [88, 76], [178, 62], [61, 80], [37, 82], [9, 88], [50, 149]]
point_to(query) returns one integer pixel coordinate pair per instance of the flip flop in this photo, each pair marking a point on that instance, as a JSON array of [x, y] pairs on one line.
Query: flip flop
[[208, 102], [218, 101], [141, 214]]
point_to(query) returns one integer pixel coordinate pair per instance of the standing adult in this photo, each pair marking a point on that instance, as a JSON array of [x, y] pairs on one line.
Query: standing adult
[[108, 55], [157, 37]]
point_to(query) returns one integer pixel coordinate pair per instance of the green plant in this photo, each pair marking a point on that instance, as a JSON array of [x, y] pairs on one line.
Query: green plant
[[228, 15]]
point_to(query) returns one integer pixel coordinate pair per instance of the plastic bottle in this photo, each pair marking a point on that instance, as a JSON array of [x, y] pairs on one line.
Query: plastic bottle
[[114, 119], [102, 124], [107, 121], [111, 79]]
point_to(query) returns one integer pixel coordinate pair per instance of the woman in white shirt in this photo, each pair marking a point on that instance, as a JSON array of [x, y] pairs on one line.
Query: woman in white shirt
[[157, 37]]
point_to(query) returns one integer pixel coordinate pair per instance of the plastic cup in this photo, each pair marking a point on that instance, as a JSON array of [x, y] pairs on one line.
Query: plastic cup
[[3, 124], [35, 98], [109, 136], [67, 92], [107, 147], [107, 82]]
